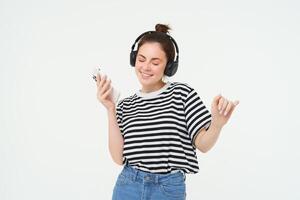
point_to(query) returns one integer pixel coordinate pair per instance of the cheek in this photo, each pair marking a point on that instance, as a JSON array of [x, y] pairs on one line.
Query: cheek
[[160, 69], [138, 65], [136, 68]]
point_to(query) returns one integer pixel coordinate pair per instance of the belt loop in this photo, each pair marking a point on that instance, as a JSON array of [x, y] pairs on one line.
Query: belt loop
[[126, 163], [156, 179], [135, 174], [184, 177]]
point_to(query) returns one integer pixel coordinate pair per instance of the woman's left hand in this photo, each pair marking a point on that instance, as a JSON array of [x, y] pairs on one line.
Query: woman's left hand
[[221, 110]]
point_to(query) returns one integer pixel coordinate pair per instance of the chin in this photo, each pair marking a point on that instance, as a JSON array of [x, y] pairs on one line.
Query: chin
[[146, 82]]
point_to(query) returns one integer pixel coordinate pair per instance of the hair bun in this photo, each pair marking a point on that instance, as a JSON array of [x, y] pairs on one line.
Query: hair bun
[[162, 28]]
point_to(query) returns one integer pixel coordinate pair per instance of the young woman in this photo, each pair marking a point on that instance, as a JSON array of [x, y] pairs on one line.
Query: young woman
[[155, 132]]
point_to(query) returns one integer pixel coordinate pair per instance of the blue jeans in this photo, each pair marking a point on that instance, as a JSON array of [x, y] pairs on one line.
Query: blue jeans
[[134, 184]]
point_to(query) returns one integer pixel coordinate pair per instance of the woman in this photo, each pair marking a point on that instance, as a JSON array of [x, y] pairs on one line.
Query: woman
[[155, 132]]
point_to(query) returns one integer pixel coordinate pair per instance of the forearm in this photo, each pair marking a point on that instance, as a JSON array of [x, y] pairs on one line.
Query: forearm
[[207, 139], [115, 138]]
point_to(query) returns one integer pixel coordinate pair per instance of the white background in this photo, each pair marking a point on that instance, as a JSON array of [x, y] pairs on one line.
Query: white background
[[53, 130]]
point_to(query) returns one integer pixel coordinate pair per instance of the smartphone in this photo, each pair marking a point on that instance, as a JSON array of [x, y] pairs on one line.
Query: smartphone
[[115, 93], [97, 70]]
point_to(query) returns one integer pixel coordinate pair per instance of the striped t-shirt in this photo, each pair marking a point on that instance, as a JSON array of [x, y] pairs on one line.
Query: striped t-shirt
[[158, 128]]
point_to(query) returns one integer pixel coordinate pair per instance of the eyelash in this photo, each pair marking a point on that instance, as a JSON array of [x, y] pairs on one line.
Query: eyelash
[[144, 61]]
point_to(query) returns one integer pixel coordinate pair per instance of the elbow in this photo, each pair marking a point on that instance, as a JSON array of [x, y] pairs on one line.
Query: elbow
[[203, 150], [118, 161]]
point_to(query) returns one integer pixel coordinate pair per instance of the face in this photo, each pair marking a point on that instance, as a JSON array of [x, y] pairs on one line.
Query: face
[[150, 65]]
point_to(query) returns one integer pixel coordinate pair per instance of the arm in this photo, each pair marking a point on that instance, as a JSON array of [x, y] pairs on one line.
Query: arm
[[205, 140], [115, 138], [221, 111]]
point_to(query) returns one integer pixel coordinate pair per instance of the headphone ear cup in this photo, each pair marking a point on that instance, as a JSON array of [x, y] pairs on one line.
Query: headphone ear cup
[[133, 58], [168, 69], [171, 68], [174, 68]]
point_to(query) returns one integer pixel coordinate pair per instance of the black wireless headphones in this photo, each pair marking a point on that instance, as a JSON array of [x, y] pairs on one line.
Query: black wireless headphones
[[171, 66]]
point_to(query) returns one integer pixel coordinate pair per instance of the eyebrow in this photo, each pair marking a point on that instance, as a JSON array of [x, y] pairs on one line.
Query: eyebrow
[[151, 58]]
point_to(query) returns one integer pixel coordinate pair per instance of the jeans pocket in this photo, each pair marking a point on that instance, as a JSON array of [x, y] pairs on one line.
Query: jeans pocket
[[174, 188]]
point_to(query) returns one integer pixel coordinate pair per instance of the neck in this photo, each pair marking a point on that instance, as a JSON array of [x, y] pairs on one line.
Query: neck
[[152, 88]]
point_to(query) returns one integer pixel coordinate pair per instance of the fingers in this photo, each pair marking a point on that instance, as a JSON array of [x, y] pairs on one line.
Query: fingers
[[103, 86], [98, 78], [235, 103], [106, 86], [224, 105], [106, 93], [216, 99], [102, 80], [228, 108], [220, 104]]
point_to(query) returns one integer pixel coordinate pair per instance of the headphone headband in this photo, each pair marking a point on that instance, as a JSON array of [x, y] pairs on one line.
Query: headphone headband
[[150, 32]]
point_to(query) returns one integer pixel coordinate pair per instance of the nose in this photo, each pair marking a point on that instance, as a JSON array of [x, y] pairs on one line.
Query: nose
[[147, 66]]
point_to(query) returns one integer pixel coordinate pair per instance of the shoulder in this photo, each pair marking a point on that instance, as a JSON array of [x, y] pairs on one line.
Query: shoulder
[[181, 86], [127, 100], [186, 90]]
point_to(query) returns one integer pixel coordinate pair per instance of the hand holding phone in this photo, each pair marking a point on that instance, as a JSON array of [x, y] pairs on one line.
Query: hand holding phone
[[115, 94]]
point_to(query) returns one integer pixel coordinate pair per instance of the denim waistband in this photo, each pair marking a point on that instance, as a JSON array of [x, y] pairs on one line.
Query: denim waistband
[[140, 175]]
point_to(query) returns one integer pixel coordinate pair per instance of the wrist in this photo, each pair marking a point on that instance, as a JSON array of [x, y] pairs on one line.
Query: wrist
[[111, 109], [214, 125]]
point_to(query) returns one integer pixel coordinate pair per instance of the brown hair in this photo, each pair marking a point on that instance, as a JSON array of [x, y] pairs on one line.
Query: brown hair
[[160, 36]]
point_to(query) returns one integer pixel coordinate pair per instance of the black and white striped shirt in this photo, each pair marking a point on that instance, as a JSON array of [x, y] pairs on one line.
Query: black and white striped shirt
[[159, 127]]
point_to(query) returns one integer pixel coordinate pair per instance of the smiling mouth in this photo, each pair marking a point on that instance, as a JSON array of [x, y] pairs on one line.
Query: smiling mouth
[[146, 75]]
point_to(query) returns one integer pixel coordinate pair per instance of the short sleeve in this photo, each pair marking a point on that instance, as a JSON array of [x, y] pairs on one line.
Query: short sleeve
[[119, 115], [196, 114]]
